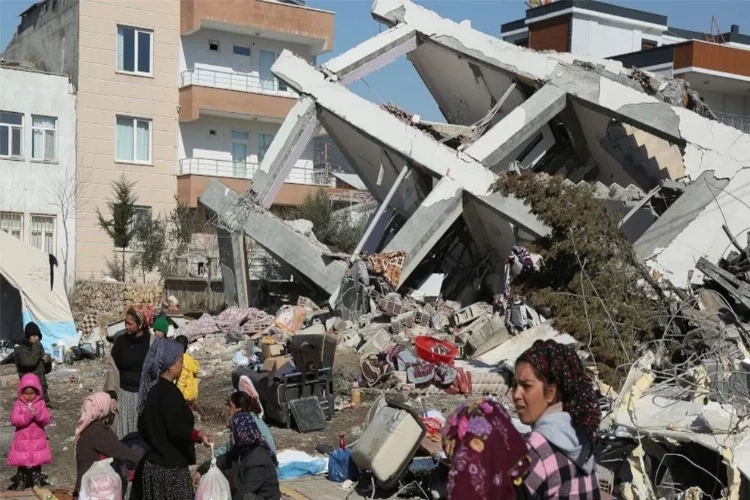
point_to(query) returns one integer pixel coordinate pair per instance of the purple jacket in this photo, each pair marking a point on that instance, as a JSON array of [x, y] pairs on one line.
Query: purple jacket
[[29, 447]]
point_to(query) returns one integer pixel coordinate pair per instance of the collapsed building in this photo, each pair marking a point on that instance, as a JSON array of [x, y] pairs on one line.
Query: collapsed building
[[630, 134]]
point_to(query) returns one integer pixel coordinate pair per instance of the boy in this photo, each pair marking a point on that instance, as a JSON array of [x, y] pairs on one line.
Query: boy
[[30, 357], [188, 381], [161, 327]]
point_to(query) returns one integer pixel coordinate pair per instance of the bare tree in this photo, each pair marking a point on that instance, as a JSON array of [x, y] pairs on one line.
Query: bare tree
[[66, 193]]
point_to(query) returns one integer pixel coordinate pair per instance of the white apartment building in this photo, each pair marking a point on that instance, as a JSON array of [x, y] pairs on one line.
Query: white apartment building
[[38, 162]]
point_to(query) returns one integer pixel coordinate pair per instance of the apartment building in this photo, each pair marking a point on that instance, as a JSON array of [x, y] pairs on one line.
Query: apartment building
[[717, 64], [123, 58], [231, 105], [37, 161], [171, 94]]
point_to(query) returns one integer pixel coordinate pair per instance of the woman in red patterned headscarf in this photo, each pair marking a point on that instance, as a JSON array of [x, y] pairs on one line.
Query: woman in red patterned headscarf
[[556, 398], [488, 456]]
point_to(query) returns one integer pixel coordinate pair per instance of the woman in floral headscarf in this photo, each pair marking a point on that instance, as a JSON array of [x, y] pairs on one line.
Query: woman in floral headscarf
[[250, 462], [556, 398], [124, 376], [488, 455]]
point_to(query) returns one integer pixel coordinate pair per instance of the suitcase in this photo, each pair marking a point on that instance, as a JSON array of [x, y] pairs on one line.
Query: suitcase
[[388, 444]]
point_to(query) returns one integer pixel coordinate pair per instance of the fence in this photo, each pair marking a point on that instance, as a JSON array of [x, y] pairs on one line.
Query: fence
[[241, 82], [196, 294]]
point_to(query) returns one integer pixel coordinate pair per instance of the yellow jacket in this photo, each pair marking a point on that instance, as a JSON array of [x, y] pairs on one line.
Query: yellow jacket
[[188, 381]]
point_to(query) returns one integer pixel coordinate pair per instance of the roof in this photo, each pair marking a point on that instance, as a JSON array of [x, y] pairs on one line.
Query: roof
[[352, 179], [601, 7]]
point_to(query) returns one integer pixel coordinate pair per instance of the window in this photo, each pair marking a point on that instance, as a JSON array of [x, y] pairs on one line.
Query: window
[[134, 50], [239, 50], [212, 131], [264, 141], [213, 45], [647, 44], [12, 223], [11, 134], [43, 138], [267, 80], [133, 140], [43, 232]]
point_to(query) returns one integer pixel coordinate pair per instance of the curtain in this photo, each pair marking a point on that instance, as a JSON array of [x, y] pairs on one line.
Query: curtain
[[124, 139], [49, 145], [43, 137], [266, 77], [37, 144], [121, 49], [143, 139]]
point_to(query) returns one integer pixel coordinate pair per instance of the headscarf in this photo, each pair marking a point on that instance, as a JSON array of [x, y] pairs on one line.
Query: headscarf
[[488, 456], [95, 407], [143, 315], [31, 329], [561, 366], [162, 354], [246, 435]]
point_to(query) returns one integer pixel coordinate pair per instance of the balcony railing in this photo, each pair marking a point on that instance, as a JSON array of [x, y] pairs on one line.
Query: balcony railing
[[241, 82], [246, 170], [736, 121]]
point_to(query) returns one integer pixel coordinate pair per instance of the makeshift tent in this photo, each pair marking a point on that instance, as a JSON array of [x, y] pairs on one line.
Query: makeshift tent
[[27, 294]]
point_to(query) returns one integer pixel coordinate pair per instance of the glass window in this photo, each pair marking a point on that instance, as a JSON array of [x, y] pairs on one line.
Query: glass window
[[43, 138], [241, 51], [264, 142], [11, 134], [12, 223], [213, 45], [240, 136], [43, 232], [133, 139], [134, 50]]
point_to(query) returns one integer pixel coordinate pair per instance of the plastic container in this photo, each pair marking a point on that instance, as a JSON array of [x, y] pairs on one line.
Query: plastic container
[[356, 395], [425, 346]]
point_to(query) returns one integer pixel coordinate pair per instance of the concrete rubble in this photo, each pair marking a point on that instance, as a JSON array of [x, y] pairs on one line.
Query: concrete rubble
[[426, 298]]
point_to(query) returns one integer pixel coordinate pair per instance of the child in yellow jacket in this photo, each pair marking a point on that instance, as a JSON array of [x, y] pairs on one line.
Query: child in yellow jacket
[[188, 381]]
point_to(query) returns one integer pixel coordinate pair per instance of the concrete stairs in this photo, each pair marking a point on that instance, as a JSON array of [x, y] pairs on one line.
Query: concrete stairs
[[613, 192], [645, 157]]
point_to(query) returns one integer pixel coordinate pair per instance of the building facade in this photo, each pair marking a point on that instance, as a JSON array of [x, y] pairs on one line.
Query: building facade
[[171, 94], [716, 65], [38, 159]]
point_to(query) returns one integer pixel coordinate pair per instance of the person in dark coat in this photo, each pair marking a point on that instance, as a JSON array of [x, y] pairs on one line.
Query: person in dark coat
[[249, 464], [30, 357]]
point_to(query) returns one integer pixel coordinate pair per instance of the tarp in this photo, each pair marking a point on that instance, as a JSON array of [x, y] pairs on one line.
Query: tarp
[[25, 273]]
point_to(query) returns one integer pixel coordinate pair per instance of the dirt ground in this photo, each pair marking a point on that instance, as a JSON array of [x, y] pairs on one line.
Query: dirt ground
[[70, 384]]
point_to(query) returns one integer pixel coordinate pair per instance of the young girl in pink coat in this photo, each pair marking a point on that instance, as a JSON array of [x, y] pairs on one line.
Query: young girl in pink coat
[[29, 450]]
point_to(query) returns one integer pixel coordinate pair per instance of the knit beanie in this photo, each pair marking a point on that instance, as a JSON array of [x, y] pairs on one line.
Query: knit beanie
[[161, 325], [31, 330]]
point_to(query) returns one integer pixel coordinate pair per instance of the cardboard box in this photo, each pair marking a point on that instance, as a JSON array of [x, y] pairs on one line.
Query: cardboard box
[[273, 365], [271, 350]]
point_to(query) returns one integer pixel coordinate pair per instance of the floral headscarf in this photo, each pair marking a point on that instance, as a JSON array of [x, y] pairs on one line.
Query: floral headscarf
[[488, 456], [561, 366], [162, 354], [143, 315], [246, 435]]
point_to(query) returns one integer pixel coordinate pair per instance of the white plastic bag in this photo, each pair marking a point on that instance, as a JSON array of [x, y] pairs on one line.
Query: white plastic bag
[[246, 385], [213, 485], [101, 482]]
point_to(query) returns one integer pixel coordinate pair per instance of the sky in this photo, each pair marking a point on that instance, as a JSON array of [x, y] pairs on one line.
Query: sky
[[399, 83]]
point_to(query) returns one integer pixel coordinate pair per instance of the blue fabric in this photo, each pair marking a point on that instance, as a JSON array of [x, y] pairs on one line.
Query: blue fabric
[[52, 331], [265, 431], [294, 470]]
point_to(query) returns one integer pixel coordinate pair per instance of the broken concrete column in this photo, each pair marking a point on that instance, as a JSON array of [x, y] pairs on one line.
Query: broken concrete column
[[233, 260], [308, 259]]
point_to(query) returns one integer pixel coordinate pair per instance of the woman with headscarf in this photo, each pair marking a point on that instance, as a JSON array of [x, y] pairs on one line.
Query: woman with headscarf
[[126, 363], [488, 456], [250, 462], [95, 439], [166, 425], [556, 398]]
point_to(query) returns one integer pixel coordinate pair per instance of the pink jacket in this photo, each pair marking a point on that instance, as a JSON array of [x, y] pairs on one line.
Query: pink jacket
[[29, 447]]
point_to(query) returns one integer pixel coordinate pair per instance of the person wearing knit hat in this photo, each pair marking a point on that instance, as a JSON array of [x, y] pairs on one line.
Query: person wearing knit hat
[[30, 357], [161, 326]]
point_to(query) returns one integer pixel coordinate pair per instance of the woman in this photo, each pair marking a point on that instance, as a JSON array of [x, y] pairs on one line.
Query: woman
[[166, 425], [126, 362], [488, 456], [556, 398], [250, 463], [242, 402], [94, 438]]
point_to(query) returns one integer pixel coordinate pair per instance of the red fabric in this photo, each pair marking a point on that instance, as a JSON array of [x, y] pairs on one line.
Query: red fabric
[[196, 436], [29, 447]]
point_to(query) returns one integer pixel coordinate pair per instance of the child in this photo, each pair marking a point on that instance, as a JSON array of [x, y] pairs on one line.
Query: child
[[161, 327], [30, 357], [29, 450], [188, 381]]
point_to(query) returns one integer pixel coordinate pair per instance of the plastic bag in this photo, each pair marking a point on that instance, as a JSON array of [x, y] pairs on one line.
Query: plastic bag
[[340, 466], [101, 482], [213, 485]]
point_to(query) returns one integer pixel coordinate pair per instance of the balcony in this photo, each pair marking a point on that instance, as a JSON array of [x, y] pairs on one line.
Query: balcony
[[696, 56], [265, 18], [739, 122], [239, 95]]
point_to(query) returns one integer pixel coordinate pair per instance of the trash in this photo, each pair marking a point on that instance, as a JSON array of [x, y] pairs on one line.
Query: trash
[[101, 482], [340, 466]]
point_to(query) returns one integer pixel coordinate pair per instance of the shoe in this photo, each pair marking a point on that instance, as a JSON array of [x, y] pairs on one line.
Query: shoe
[[40, 480]]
